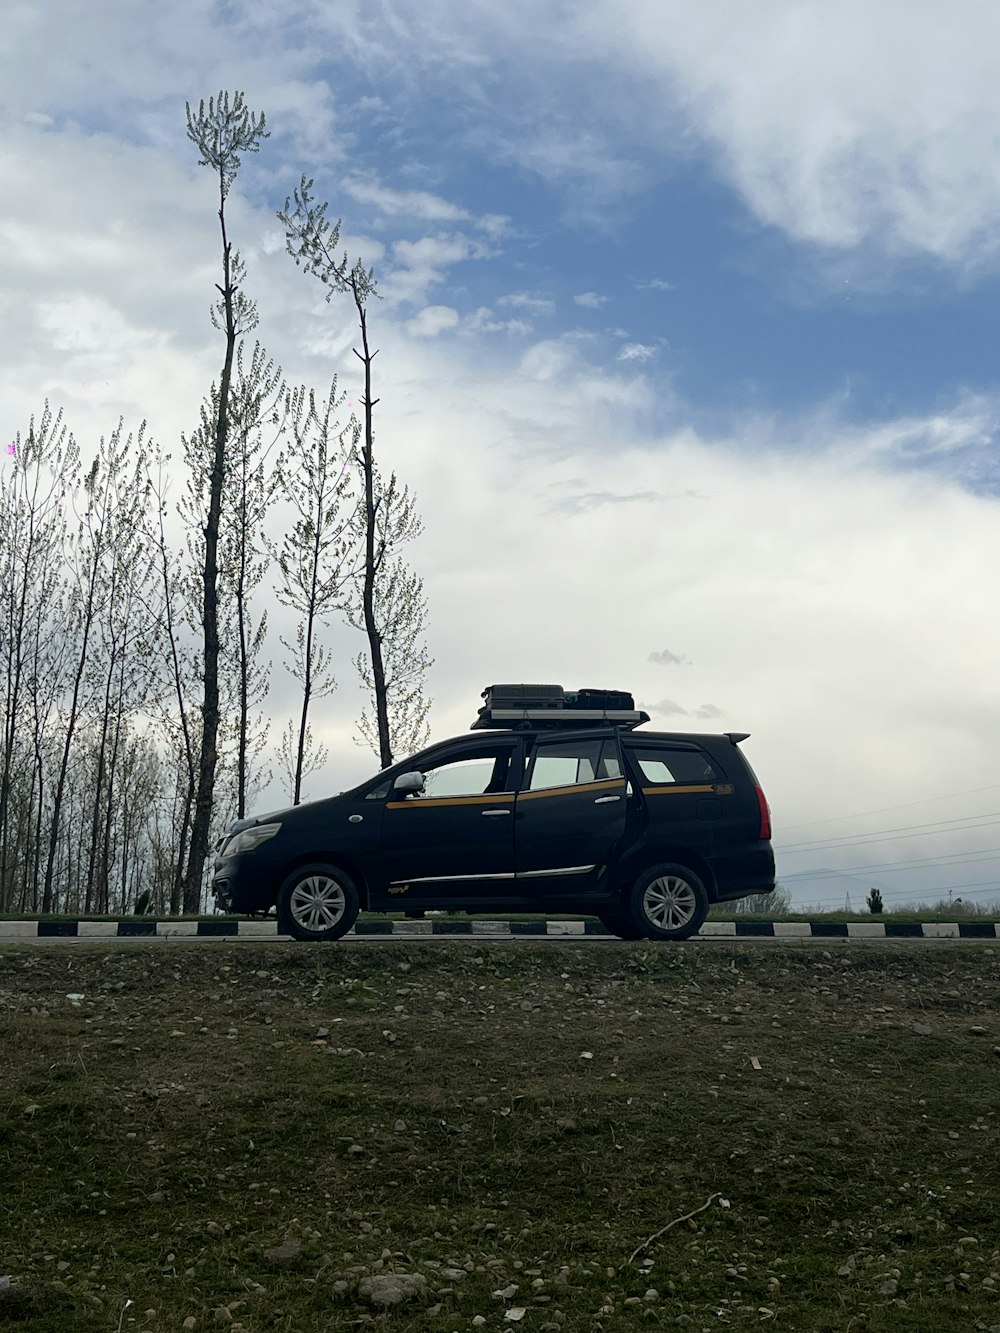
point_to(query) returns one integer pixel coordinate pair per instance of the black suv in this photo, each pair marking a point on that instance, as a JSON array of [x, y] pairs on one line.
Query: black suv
[[552, 804]]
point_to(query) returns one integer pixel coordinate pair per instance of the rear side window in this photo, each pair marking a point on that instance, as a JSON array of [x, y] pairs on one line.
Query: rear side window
[[569, 763], [662, 766]]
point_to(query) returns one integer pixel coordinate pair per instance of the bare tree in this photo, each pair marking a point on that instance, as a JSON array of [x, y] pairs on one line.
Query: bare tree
[[41, 468], [399, 612], [312, 242], [220, 132], [315, 556], [259, 408]]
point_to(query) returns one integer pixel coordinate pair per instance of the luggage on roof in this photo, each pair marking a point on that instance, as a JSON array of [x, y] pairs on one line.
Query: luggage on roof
[[509, 706], [600, 699], [524, 696]]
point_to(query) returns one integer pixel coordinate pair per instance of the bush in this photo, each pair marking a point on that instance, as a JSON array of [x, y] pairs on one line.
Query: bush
[[875, 904], [776, 903]]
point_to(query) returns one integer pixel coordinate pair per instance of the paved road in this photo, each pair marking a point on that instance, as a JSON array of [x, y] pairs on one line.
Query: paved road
[[463, 941]]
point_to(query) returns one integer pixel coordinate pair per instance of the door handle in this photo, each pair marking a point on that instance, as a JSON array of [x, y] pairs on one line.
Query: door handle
[[603, 800], [488, 813]]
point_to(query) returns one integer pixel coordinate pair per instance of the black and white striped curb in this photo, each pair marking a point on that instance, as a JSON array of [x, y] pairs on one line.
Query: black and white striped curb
[[791, 930]]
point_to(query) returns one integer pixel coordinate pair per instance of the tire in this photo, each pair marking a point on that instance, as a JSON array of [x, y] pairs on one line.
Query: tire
[[619, 924], [317, 902], [668, 902]]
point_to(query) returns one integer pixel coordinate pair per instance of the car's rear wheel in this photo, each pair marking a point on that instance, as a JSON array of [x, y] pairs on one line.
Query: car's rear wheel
[[668, 902], [621, 925], [317, 902]]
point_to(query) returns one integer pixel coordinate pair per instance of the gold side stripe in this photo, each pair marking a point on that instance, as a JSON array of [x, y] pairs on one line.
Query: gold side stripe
[[716, 789], [607, 785], [437, 802]]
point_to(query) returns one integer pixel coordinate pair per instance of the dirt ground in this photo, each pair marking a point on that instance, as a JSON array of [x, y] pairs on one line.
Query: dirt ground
[[539, 1135]]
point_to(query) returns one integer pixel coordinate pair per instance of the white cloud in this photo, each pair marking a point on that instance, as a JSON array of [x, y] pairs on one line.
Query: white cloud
[[636, 352], [483, 320], [431, 321], [666, 658], [590, 300], [842, 125], [656, 285], [421, 264], [419, 205], [538, 305]]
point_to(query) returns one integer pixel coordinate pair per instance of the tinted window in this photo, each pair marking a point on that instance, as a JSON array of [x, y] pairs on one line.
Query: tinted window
[[661, 766], [566, 763], [469, 774]]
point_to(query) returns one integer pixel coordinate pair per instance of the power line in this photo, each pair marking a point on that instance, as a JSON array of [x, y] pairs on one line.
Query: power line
[[962, 858], [885, 809], [894, 835]]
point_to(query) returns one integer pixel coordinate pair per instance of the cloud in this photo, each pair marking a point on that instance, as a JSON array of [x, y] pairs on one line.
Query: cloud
[[847, 126], [482, 320], [431, 321], [419, 205], [636, 352], [706, 712], [666, 658], [665, 708], [421, 264], [590, 300], [656, 285], [591, 500], [538, 305]]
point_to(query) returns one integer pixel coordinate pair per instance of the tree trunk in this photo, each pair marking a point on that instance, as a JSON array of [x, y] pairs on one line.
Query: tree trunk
[[208, 757], [368, 592]]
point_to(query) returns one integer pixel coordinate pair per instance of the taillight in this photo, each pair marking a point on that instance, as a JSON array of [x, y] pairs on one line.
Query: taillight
[[765, 814]]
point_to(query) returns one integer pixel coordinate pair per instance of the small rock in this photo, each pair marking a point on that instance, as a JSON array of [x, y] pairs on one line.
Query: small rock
[[392, 1288], [922, 1029], [214, 1229], [889, 1287], [222, 1314], [399, 1127], [286, 1253], [453, 1274], [158, 1196], [189, 1323], [478, 1321], [977, 1030], [515, 1314]]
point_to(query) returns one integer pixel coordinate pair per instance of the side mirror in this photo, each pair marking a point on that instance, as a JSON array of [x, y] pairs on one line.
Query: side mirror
[[408, 783]]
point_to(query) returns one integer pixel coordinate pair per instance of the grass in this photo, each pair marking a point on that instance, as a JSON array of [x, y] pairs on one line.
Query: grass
[[501, 1117]]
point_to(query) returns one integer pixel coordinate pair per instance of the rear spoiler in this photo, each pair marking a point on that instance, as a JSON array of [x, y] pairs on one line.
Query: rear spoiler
[[736, 736]]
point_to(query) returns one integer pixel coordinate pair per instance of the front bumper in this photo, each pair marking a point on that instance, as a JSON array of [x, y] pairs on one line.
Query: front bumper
[[246, 884]]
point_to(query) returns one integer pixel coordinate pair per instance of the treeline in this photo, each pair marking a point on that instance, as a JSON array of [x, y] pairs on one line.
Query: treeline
[[135, 593]]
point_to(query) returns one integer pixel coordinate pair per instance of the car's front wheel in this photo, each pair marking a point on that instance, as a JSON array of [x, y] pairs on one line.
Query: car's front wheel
[[317, 902], [668, 902]]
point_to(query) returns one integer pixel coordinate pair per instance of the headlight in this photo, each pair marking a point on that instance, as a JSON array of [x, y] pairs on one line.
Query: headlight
[[249, 839]]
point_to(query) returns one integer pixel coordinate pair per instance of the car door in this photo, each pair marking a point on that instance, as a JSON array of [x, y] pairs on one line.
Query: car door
[[452, 843], [570, 815], [683, 793]]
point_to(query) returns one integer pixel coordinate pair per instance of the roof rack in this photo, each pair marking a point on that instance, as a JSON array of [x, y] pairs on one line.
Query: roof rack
[[531, 707]]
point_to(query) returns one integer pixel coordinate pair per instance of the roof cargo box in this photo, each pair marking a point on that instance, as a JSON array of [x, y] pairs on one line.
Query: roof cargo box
[[524, 696], [600, 699]]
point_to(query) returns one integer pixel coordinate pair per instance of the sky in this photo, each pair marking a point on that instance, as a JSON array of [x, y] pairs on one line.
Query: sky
[[687, 345]]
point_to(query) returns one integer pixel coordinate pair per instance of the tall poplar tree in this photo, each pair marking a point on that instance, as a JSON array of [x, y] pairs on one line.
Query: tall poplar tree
[[220, 132]]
